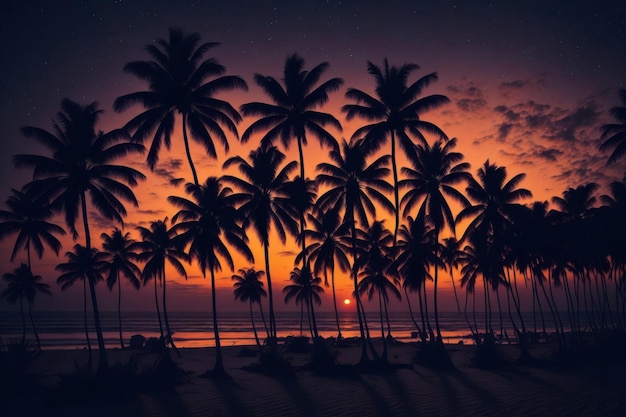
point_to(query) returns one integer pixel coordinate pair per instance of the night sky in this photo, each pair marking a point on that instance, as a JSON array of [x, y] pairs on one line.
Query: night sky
[[530, 82]]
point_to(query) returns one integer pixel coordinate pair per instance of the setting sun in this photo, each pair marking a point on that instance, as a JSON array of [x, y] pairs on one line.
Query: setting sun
[[346, 301]]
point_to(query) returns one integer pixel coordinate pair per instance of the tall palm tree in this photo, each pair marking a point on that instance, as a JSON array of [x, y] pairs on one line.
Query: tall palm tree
[[305, 290], [249, 287], [293, 110], [207, 223], [264, 202], [435, 172], [160, 245], [614, 134], [373, 265], [394, 113], [181, 81], [83, 264], [22, 284], [413, 258], [120, 261], [354, 186], [81, 165], [27, 218], [328, 248]]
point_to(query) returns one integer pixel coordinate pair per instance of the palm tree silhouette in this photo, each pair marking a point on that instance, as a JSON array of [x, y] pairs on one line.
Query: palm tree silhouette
[[328, 248], [22, 284], [264, 203], [81, 165], [395, 112], [432, 178], [27, 218], [207, 223], [293, 112], [373, 265], [495, 200], [181, 81], [120, 261], [249, 287], [305, 290], [614, 134], [84, 264], [353, 186], [413, 258], [158, 246]]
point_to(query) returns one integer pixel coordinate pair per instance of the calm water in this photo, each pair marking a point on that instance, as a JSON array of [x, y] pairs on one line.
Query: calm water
[[65, 330]]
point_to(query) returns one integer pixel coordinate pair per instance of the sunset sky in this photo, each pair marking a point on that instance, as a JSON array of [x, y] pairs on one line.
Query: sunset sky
[[530, 85]]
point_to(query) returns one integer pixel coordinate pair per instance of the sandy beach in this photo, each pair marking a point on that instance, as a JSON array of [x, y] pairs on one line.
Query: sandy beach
[[407, 389]]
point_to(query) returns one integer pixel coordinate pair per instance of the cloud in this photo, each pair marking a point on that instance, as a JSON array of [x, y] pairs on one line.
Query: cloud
[[468, 98]]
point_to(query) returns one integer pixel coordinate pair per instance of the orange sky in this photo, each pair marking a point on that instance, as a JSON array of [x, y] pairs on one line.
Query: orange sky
[[524, 93]]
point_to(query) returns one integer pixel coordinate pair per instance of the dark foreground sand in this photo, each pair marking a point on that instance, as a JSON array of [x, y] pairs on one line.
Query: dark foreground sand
[[590, 389]]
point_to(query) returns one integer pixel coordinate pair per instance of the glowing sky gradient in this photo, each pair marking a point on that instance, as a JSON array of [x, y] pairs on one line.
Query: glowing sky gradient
[[530, 84]]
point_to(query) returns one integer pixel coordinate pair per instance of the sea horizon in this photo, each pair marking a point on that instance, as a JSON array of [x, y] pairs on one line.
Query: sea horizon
[[65, 329]]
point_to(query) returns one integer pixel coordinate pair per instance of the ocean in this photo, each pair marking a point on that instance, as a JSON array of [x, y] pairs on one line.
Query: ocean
[[65, 330]]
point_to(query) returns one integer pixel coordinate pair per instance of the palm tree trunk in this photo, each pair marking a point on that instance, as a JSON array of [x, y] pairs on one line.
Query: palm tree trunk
[[188, 151], [103, 363], [301, 155], [90, 357], [436, 285], [332, 281], [119, 310], [167, 322], [357, 297], [267, 332], [396, 195], [156, 302], [272, 330], [408, 301], [256, 336], [23, 320], [456, 297], [219, 361], [32, 322], [384, 356]]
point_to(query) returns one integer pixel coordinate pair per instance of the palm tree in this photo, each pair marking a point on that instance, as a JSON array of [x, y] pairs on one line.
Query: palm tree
[[249, 287], [207, 223], [328, 248], [305, 290], [27, 218], [181, 81], [84, 264], [373, 265], [495, 200], [22, 284], [81, 165], [158, 246], [264, 203], [293, 112], [121, 257], [354, 186], [394, 113], [432, 178], [614, 134], [412, 261]]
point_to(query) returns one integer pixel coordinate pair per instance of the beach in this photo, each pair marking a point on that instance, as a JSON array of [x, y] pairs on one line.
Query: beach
[[406, 388]]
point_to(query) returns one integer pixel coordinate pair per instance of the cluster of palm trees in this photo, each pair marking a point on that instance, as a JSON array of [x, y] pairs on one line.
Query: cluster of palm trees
[[334, 217]]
